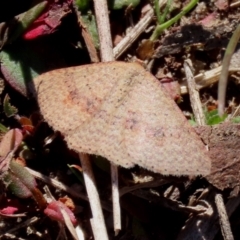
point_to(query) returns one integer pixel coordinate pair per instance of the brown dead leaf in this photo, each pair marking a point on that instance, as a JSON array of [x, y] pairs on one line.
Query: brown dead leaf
[[223, 141], [119, 111]]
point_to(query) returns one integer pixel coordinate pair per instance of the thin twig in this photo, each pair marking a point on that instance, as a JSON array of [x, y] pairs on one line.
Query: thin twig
[[69, 190], [103, 25], [106, 50], [132, 35], [68, 223], [21, 225], [115, 195], [99, 228], [57, 184], [194, 95], [223, 218], [234, 4], [205, 79]]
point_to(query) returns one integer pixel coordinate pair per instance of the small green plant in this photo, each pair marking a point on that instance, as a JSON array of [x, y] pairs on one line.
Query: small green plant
[[213, 118]]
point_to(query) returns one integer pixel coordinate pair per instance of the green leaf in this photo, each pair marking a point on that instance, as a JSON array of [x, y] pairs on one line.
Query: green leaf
[[19, 181], [23, 175], [236, 119], [119, 4], [22, 61], [27, 18], [8, 109], [213, 118], [3, 129], [15, 186], [90, 22], [83, 5], [192, 122]]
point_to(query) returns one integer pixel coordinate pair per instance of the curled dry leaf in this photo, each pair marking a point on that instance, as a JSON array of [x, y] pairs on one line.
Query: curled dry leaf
[[11, 141], [9, 144], [120, 111]]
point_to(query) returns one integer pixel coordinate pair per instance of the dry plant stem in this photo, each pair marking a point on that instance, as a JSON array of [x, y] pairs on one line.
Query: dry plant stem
[[68, 223], [79, 232], [115, 194], [103, 25], [223, 218], [57, 184], [194, 95], [99, 228], [234, 4], [106, 50], [205, 79], [131, 36], [150, 184], [222, 84], [87, 37], [65, 188], [168, 203]]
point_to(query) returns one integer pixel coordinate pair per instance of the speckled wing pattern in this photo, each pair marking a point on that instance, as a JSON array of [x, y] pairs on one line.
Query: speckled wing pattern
[[120, 111]]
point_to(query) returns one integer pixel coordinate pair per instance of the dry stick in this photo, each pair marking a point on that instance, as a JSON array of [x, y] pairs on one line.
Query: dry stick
[[200, 119], [234, 4], [103, 25], [97, 222], [106, 50], [115, 199], [207, 78], [127, 41], [57, 184], [223, 218], [194, 95]]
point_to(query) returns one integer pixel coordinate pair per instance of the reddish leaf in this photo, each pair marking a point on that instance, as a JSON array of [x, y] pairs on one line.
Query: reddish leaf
[[8, 210], [11, 141], [23, 175], [16, 186], [54, 212], [49, 20], [19, 180]]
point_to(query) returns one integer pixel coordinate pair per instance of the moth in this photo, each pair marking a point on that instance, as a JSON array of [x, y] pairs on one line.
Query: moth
[[120, 111]]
